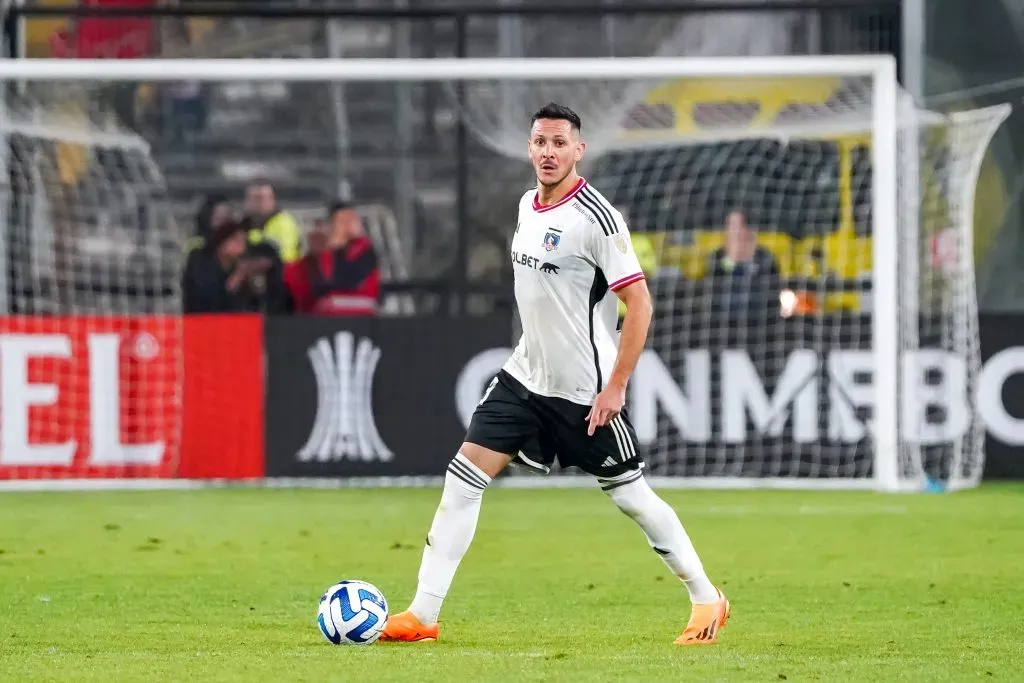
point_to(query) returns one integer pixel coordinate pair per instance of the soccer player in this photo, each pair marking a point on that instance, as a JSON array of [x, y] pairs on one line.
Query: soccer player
[[561, 393]]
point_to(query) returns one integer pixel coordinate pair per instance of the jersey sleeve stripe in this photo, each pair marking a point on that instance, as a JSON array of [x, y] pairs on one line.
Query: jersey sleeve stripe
[[607, 227], [605, 207], [601, 212], [623, 281]]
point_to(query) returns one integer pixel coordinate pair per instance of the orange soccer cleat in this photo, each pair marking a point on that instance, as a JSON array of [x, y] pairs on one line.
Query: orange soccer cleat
[[706, 621], [405, 627]]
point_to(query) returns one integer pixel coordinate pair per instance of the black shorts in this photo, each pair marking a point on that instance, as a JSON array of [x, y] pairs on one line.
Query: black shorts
[[538, 430]]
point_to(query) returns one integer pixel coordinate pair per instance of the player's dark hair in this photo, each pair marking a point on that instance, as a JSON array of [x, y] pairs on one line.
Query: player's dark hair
[[559, 112]]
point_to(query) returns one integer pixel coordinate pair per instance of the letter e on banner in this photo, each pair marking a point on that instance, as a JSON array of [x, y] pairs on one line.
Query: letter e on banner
[[31, 435]]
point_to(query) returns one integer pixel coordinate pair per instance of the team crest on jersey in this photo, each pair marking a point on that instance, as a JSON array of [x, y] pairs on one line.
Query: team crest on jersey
[[551, 240], [621, 244]]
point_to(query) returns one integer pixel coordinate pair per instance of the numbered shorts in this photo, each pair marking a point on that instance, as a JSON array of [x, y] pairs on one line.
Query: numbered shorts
[[538, 430]]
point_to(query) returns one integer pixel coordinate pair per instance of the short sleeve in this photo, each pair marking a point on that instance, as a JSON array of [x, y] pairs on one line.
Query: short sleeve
[[614, 254]]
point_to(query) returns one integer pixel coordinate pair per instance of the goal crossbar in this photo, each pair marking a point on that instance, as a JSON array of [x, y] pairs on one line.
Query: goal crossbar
[[441, 69]]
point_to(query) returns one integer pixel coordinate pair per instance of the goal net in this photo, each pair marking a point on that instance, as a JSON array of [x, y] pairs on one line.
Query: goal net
[[90, 339], [807, 237], [828, 337]]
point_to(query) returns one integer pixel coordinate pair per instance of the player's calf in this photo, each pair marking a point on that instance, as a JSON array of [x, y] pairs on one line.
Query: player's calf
[[450, 535], [665, 533]]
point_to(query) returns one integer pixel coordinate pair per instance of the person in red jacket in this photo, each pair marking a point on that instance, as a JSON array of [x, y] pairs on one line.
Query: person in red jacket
[[339, 274]]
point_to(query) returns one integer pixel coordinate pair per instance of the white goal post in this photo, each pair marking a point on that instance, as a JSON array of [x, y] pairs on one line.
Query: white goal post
[[881, 111]]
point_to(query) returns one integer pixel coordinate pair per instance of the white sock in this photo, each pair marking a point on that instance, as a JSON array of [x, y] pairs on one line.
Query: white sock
[[664, 531], [449, 536]]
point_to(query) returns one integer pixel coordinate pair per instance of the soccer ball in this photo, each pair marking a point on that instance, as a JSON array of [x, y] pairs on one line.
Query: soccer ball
[[352, 613]]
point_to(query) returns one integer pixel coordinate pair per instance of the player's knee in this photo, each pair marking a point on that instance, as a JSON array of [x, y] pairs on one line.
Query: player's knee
[[467, 476], [488, 461]]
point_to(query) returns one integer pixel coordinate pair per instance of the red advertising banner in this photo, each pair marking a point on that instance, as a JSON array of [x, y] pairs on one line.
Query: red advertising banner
[[98, 397], [223, 398]]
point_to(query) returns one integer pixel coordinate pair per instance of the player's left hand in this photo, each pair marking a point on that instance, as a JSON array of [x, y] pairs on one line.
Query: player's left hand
[[606, 406]]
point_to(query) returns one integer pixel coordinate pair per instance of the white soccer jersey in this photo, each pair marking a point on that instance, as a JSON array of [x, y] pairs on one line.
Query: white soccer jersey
[[568, 259]]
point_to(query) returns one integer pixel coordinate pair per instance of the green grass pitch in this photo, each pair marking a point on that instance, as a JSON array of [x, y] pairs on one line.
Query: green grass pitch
[[222, 585]]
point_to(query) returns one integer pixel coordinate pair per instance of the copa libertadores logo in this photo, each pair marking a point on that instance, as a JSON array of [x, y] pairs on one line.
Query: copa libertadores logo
[[344, 425]]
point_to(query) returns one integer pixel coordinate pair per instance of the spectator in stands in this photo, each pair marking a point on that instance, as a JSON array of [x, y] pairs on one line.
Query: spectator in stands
[[745, 275], [262, 261], [214, 211], [217, 278], [299, 275], [269, 223], [339, 275]]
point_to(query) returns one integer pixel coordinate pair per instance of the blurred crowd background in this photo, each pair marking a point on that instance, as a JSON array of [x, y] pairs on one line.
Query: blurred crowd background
[[378, 198]]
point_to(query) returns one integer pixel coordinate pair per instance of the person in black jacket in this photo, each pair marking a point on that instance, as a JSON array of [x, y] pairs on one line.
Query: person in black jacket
[[217, 278], [214, 211], [744, 275]]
